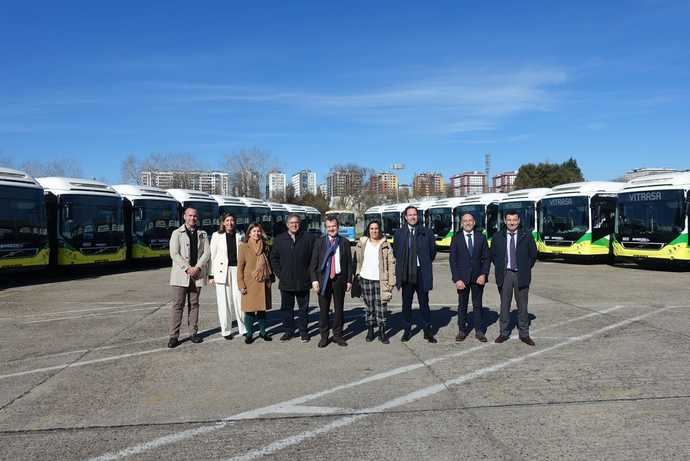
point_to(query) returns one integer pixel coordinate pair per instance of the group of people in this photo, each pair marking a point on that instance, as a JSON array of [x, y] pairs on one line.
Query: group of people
[[243, 267]]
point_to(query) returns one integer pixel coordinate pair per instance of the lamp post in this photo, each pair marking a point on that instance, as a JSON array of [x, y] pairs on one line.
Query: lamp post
[[397, 167]]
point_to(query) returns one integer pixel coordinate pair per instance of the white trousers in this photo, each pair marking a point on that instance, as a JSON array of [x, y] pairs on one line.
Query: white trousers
[[229, 298]]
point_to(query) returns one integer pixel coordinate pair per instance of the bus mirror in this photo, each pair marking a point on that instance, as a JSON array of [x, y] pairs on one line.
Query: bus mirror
[[138, 214], [67, 210]]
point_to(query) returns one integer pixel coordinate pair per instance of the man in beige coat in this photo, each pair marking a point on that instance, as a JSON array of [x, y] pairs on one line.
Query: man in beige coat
[[190, 255]]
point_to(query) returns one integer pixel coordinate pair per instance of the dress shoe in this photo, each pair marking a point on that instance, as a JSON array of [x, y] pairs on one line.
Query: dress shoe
[[461, 336], [407, 334], [382, 335], [266, 337], [286, 337], [370, 334], [323, 342], [501, 339], [228, 337], [173, 343], [248, 339], [429, 336], [196, 339], [339, 341], [306, 339], [480, 337], [527, 340]]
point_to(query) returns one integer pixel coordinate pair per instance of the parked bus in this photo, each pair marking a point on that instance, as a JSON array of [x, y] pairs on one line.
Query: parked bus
[[651, 220], [440, 220], [314, 223], [236, 207], [150, 216], [373, 213], [85, 221], [203, 203], [577, 219], [23, 222], [484, 208], [347, 221], [279, 214], [391, 217], [525, 202], [260, 212], [423, 207]]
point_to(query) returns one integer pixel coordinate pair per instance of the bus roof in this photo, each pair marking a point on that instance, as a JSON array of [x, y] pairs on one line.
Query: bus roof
[[292, 208], [227, 200], [424, 204], [585, 188], [395, 207], [59, 186], [450, 202], [374, 209], [660, 181], [132, 192], [10, 177], [312, 210], [188, 195], [277, 206], [484, 199], [526, 194], [339, 211], [254, 202]]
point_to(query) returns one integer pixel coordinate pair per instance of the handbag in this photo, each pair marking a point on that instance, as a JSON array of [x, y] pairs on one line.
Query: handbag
[[356, 290]]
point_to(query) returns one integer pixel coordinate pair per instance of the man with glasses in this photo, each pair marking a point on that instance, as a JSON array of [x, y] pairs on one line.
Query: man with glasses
[[290, 258]]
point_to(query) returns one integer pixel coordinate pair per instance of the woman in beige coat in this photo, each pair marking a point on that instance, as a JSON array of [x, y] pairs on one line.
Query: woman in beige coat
[[375, 268], [254, 277]]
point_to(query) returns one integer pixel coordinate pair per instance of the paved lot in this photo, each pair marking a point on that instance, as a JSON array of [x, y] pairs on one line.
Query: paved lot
[[85, 374]]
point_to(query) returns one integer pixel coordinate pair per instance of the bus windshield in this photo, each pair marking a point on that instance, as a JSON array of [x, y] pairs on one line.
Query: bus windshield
[[240, 213], [478, 211], [90, 223], [650, 219], [391, 222], [526, 211], [208, 215], [262, 216], [344, 219], [314, 222], [23, 229], [564, 220], [154, 222], [441, 221]]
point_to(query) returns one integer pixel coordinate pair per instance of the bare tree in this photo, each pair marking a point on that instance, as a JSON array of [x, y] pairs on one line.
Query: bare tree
[[7, 161], [62, 167], [182, 165], [130, 170], [247, 169], [356, 195]]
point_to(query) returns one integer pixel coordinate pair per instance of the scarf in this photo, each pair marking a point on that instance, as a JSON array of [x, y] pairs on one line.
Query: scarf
[[263, 272], [326, 263], [409, 256]]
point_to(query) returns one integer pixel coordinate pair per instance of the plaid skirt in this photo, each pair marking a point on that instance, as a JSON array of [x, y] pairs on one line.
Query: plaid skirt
[[376, 310]]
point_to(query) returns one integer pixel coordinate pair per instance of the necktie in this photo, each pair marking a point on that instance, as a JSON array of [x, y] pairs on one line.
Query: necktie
[[409, 241], [513, 252], [470, 244], [332, 274]]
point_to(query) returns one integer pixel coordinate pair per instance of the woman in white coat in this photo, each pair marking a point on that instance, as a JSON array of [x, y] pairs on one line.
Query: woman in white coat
[[224, 245]]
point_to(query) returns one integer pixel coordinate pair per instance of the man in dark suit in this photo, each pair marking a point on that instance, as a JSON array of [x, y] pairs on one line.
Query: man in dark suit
[[291, 260], [331, 276], [513, 253], [414, 247], [469, 266]]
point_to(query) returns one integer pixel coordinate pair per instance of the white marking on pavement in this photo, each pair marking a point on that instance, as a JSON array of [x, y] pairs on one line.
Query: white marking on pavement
[[92, 316], [74, 311], [424, 392], [259, 412], [310, 410]]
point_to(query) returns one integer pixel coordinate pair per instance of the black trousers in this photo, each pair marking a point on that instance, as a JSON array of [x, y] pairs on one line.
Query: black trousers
[[408, 291], [335, 289], [477, 292], [287, 308]]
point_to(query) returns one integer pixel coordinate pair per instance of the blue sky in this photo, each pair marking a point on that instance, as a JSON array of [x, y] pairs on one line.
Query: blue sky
[[434, 86]]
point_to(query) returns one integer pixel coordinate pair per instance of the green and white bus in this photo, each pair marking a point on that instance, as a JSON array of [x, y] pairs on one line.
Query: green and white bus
[[391, 218], [525, 202], [23, 222], [236, 207], [260, 212], [205, 205], [651, 220], [484, 208], [577, 219], [150, 215], [279, 214], [371, 214], [440, 220], [85, 221], [314, 221]]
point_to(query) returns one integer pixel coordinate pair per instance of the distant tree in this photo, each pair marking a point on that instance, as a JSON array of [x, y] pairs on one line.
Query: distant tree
[[317, 201], [548, 174], [62, 167], [130, 170], [7, 161], [247, 169], [183, 165]]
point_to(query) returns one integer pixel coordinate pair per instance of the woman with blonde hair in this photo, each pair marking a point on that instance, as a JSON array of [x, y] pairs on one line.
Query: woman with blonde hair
[[254, 278]]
